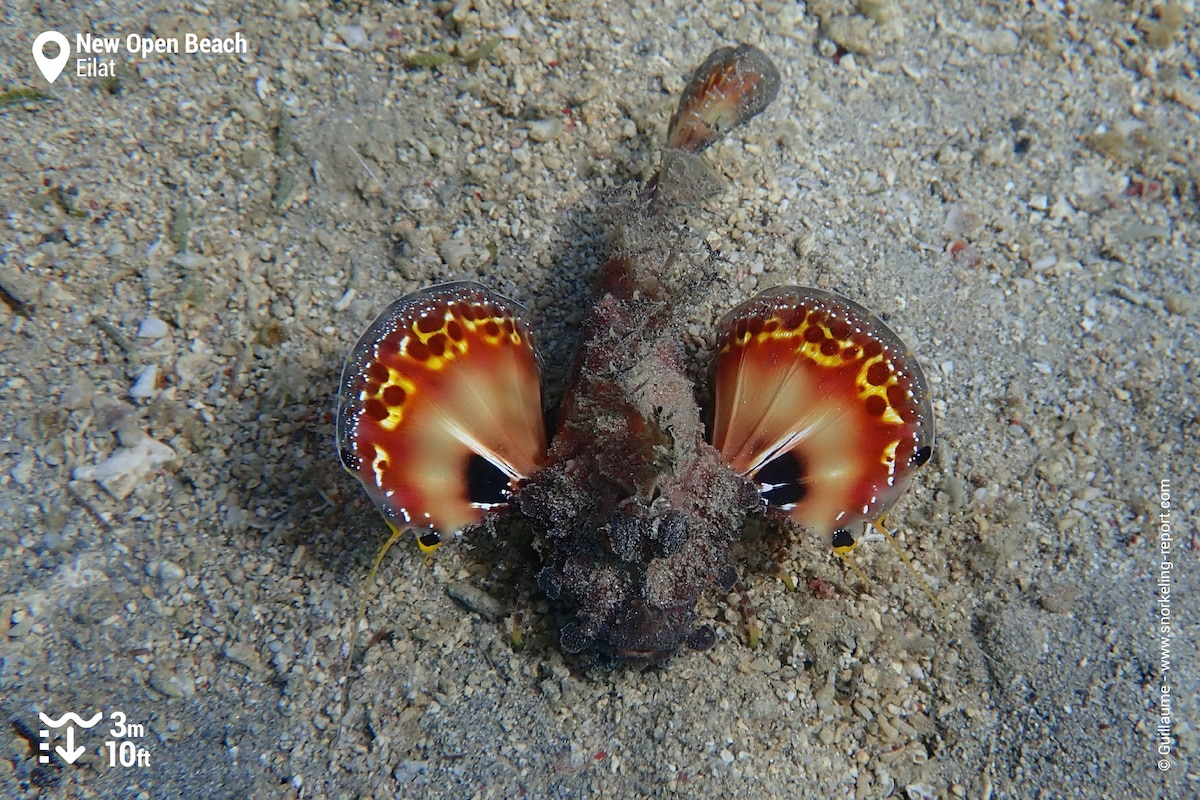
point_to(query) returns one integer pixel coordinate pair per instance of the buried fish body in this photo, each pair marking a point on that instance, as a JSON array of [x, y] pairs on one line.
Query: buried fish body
[[821, 414]]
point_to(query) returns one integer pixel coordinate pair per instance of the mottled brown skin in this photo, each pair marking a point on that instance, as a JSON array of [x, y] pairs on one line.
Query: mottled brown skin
[[635, 509]]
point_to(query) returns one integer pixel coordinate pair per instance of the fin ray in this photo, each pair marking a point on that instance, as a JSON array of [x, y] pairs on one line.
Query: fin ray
[[442, 375], [810, 373]]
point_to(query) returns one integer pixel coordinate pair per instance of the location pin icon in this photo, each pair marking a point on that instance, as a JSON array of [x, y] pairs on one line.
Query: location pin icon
[[51, 67]]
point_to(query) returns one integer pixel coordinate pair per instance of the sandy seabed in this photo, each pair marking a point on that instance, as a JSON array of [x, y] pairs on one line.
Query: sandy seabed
[[193, 241]]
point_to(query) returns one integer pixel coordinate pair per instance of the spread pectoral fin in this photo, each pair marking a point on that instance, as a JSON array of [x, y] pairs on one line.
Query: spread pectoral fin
[[440, 413], [818, 402]]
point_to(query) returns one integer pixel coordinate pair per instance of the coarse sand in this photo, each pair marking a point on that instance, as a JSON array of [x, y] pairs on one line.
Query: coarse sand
[[193, 241]]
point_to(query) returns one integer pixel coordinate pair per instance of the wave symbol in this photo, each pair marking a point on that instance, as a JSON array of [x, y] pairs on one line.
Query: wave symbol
[[72, 717]]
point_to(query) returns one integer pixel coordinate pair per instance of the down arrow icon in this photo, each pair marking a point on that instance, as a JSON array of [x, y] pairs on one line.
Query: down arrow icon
[[71, 753]]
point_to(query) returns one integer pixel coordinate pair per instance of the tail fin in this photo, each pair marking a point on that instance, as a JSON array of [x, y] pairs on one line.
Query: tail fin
[[730, 87]]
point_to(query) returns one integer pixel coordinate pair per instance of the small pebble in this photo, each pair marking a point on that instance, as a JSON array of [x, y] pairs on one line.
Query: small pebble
[[352, 35], [545, 129], [169, 572], [961, 221], [189, 260], [246, 656], [407, 770], [454, 252], [165, 684], [128, 432], [110, 413], [345, 300], [152, 328], [920, 791], [22, 473], [78, 394], [1179, 303], [146, 385], [1000, 42], [127, 467], [476, 599], [21, 629], [1045, 262]]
